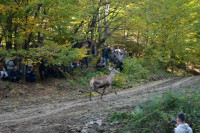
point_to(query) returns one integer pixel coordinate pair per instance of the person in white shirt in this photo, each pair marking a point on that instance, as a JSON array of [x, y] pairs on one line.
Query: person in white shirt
[[118, 49], [181, 126], [4, 74]]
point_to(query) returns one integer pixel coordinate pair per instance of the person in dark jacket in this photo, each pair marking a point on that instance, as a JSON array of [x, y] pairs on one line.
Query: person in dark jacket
[[112, 57], [42, 68], [105, 54], [30, 74], [119, 64], [130, 54], [86, 59], [15, 74]]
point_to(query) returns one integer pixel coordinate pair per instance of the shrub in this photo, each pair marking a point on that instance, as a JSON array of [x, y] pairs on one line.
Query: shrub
[[133, 70], [157, 114], [119, 80]]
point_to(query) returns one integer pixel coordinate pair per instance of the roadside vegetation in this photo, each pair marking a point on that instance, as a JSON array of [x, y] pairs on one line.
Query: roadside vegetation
[[156, 115]]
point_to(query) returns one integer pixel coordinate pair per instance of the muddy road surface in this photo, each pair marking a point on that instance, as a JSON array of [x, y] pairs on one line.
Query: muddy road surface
[[78, 114]]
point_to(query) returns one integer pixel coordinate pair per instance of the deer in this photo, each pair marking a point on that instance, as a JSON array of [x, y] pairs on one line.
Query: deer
[[102, 82]]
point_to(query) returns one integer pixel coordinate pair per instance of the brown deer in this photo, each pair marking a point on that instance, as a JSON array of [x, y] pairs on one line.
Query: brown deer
[[102, 82]]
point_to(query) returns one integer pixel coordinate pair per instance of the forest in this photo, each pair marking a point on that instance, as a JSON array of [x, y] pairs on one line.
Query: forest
[[154, 44], [165, 32]]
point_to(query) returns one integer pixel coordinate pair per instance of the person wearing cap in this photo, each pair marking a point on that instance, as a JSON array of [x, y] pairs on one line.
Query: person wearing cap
[[181, 126]]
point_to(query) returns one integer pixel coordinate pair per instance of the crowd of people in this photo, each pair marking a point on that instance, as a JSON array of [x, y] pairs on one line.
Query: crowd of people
[[111, 54], [11, 71]]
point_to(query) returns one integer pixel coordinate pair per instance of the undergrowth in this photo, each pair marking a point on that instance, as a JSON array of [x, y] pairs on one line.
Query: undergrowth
[[135, 71], [155, 116]]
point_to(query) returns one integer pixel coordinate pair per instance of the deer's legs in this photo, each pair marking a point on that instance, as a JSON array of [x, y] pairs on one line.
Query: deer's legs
[[103, 92], [110, 87], [91, 94]]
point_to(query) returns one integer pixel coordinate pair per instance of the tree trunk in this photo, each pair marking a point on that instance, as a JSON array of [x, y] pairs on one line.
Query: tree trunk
[[23, 72], [99, 22], [138, 45], [38, 39], [9, 36], [27, 41], [1, 39], [92, 28], [106, 10], [16, 35]]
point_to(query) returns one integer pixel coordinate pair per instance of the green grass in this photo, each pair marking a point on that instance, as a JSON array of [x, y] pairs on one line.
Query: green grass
[[155, 116]]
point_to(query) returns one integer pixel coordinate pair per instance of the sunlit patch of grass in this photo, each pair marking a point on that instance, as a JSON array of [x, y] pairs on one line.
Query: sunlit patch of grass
[[88, 94]]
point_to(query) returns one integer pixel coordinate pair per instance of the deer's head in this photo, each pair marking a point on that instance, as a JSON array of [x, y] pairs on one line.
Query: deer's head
[[113, 70]]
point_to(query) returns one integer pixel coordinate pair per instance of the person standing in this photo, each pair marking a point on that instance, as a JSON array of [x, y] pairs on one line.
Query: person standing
[[130, 54], [86, 59], [124, 52], [31, 74], [95, 51], [112, 57], [112, 49], [181, 126], [121, 56], [42, 68], [105, 55]]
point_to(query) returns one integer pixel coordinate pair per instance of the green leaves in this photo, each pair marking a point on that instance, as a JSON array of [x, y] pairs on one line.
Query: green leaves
[[133, 70], [156, 115]]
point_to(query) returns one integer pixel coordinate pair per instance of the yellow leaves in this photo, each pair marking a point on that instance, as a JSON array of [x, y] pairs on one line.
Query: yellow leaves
[[29, 21], [130, 5], [194, 3], [2, 8], [9, 9], [29, 24]]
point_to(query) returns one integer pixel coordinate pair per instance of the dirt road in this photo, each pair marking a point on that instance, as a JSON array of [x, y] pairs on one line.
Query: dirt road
[[79, 114]]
